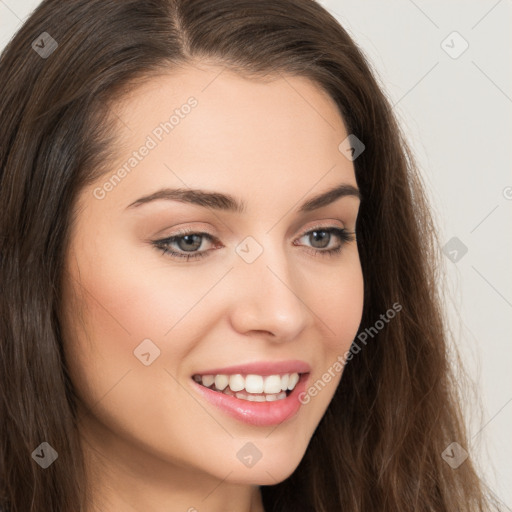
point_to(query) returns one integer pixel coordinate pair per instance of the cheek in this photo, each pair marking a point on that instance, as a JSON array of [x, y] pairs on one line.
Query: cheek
[[129, 298], [118, 306], [124, 300], [338, 304], [339, 310]]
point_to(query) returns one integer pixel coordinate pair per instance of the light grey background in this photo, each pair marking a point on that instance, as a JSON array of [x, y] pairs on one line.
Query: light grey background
[[456, 113]]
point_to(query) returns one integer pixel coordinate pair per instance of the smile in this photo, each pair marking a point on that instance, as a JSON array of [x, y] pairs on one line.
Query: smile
[[251, 387]]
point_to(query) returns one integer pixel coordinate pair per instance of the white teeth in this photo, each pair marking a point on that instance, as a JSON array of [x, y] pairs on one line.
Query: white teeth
[[255, 398], [236, 382], [221, 381], [273, 386], [208, 380], [254, 384], [292, 381], [259, 398]]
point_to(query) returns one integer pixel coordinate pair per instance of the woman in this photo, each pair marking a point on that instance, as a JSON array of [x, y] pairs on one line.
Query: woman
[[218, 272]]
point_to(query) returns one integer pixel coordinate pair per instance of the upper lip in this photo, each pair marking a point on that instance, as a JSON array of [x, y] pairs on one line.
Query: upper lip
[[260, 368]]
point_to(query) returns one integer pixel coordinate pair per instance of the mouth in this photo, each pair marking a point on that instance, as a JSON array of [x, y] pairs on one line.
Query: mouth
[[251, 387], [260, 393]]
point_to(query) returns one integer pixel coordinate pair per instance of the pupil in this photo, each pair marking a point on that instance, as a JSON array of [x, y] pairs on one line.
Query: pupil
[[192, 242], [322, 235]]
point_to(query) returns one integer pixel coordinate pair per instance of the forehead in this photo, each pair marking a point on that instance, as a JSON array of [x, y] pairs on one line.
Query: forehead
[[208, 126]]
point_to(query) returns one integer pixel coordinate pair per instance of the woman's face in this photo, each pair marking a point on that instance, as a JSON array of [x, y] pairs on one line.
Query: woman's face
[[259, 294]]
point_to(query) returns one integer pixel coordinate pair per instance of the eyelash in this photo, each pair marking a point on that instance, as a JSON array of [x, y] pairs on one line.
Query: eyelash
[[344, 235]]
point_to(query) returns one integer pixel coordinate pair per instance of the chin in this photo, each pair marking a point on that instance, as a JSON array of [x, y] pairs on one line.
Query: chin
[[267, 465], [271, 473]]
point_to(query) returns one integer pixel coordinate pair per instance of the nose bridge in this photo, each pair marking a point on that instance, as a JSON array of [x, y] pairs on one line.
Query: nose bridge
[[268, 299]]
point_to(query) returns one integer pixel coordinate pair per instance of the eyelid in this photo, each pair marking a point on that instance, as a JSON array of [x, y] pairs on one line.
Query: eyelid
[[318, 227], [321, 224]]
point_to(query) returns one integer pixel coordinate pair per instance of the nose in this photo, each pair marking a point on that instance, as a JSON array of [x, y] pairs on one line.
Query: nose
[[268, 297]]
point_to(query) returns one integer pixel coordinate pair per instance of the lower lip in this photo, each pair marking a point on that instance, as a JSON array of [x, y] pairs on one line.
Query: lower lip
[[260, 414]]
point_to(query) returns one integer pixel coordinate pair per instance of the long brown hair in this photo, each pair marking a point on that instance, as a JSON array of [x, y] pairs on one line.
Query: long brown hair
[[379, 446]]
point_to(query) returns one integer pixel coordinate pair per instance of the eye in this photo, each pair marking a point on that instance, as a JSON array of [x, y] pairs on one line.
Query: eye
[[187, 244], [321, 238]]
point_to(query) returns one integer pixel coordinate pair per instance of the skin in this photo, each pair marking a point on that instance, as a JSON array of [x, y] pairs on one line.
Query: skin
[[152, 443]]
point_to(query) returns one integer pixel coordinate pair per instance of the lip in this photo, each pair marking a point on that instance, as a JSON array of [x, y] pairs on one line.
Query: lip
[[260, 414], [263, 368]]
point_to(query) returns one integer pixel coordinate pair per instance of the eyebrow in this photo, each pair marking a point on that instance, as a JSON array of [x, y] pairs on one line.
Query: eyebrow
[[226, 202]]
